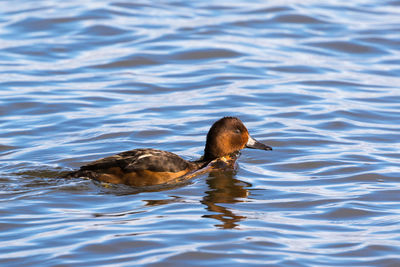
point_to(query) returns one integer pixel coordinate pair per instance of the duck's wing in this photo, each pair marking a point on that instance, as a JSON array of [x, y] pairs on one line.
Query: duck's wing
[[140, 159], [107, 162]]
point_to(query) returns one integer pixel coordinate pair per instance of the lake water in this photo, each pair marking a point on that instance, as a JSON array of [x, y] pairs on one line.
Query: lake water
[[316, 80]]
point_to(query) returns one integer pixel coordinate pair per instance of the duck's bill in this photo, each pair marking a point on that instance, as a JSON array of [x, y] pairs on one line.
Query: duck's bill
[[253, 143]]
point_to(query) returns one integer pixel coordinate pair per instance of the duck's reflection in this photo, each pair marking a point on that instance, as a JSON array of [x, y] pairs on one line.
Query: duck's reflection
[[224, 188]]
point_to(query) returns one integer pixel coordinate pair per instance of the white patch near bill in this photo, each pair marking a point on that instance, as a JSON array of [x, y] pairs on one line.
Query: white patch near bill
[[251, 141]]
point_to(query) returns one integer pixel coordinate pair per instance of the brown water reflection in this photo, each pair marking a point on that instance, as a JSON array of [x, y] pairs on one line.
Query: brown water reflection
[[224, 188]]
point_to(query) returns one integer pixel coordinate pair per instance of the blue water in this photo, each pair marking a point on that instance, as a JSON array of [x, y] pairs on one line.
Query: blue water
[[317, 81]]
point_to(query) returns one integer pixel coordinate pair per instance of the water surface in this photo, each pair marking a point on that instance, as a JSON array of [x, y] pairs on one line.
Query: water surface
[[317, 81]]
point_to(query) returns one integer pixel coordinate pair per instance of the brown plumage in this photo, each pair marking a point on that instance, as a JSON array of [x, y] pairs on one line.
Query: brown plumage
[[144, 167]]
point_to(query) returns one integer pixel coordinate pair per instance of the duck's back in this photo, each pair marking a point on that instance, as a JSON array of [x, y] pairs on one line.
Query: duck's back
[[138, 167]]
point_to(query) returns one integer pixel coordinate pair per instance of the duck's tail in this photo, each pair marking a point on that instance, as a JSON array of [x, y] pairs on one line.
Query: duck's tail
[[81, 174]]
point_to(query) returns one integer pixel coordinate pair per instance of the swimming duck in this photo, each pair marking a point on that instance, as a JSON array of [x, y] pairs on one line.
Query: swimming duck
[[144, 167]]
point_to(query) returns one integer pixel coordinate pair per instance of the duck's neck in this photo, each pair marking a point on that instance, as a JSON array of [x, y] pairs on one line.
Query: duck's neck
[[201, 162], [204, 160]]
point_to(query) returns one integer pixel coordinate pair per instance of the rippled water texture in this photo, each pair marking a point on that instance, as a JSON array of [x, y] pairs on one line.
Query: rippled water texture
[[316, 80]]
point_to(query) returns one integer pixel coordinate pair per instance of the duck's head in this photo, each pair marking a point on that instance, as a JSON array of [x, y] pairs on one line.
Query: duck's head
[[228, 135]]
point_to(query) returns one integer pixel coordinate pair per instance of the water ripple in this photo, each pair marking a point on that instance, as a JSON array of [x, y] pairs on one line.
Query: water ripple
[[316, 81]]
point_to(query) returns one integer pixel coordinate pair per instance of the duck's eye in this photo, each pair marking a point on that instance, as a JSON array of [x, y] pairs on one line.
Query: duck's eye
[[237, 131]]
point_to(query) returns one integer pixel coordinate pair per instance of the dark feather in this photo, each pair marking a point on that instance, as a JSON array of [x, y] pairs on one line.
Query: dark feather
[[140, 159]]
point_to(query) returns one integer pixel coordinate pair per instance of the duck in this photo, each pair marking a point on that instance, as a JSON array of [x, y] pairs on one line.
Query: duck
[[148, 166]]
